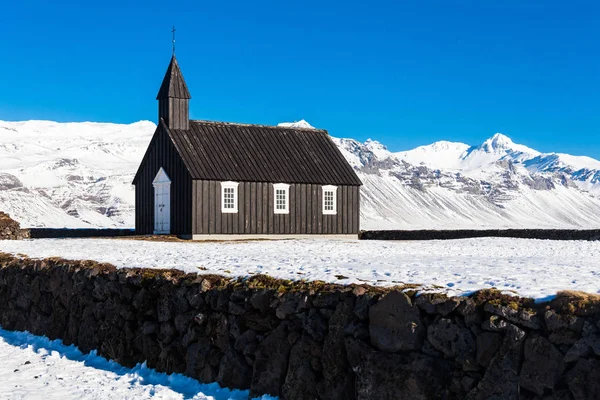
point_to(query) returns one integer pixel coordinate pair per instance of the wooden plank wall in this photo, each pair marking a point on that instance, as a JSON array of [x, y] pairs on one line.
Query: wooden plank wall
[[255, 210], [175, 112], [162, 153]]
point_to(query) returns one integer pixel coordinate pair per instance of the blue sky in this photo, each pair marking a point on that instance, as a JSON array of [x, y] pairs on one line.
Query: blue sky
[[403, 72]]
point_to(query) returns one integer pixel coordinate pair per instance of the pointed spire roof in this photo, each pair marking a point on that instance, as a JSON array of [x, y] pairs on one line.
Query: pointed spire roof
[[173, 85]]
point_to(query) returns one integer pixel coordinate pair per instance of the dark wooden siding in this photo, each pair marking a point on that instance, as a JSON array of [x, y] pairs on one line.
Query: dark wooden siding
[[255, 210], [162, 153], [175, 112]]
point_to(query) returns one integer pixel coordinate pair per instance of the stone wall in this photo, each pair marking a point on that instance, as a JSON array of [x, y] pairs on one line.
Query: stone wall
[[10, 229], [43, 233], [312, 340], [544, 234]]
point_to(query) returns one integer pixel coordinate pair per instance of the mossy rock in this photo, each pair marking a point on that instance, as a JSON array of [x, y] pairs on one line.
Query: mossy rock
[[497, 298], [581, 304]]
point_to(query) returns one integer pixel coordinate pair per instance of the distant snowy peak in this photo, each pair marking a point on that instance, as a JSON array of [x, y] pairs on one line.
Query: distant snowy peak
[[488, 161], [442, 154], [378, 149], [444, 146], [497, 148], [498, 142], [461, 156], [302, 124], [502, 144], [500, 147]]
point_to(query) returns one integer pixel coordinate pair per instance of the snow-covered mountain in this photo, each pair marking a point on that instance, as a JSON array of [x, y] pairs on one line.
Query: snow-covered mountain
[[70, 174], [498, 184], [302, 124], [79, 175]]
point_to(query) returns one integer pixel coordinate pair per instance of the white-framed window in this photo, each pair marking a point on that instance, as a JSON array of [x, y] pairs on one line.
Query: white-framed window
[[281, 201], [330, 199], [229, 197]]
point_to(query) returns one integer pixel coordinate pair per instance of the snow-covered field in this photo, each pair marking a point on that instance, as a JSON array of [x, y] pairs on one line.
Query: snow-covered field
[[536, 268], [35, 367]]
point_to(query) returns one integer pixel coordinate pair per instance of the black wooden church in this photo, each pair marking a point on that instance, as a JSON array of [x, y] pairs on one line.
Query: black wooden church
[[205, 179]]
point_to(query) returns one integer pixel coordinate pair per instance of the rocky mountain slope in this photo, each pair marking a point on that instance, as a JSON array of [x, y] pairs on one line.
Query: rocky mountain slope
[[70, 174], [498, 184], [79, 175]]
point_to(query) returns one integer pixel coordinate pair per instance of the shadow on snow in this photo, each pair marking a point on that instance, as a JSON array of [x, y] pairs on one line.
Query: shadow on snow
[[140, 374]]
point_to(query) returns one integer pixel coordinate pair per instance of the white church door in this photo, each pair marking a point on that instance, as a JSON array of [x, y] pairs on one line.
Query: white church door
[[162, 203]]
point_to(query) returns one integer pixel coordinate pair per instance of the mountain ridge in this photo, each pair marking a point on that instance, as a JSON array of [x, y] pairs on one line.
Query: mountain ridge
[[79, 175]]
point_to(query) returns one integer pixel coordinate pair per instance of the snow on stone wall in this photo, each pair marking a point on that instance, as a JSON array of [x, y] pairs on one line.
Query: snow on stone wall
[[301, 340]]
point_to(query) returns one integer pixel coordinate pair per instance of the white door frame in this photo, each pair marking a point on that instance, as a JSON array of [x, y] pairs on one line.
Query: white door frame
[[162, 203]]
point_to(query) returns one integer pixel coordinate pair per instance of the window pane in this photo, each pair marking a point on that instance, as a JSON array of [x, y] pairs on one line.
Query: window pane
[[228, 198], [280, 199], [328, 202]]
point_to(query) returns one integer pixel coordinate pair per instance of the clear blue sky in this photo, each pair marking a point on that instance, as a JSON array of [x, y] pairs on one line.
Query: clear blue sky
[[403, 72]]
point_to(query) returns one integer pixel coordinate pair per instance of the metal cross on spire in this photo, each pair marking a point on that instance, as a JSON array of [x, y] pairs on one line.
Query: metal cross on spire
[[173, 32]]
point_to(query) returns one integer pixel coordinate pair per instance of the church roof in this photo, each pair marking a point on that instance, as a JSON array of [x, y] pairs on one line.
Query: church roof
[[173, 84], [257, 153]]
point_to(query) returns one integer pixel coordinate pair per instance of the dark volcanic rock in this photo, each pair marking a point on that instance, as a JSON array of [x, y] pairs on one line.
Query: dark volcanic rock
[[564, 337], [270, 367], [495, 324], [583, 348], [261, 300], [338, 379], [452, 340], [202, 359], [395, 324], [234, 372], [246, 340], [487, 345], [289, 304], [428, 302], [434, 303], [543, 365], [555, 322], [468, 309], [182, 321], [301, 378], [397, 376], [315, 324], [519, 316], [584, 380], [363, 304], [588, 330], [501, 379]]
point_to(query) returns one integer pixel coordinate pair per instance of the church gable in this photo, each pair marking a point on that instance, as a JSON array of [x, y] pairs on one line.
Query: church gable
[[160, 149], [162, 155]]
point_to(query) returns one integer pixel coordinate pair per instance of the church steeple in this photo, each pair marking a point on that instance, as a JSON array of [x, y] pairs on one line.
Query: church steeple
[[173, 98]]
